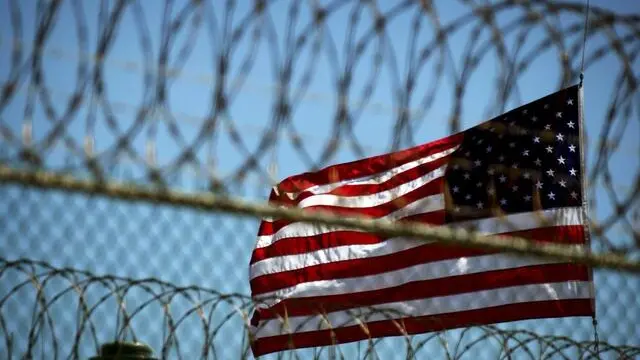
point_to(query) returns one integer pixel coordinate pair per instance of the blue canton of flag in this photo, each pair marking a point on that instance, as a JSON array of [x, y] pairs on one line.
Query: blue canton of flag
[[524, 160]]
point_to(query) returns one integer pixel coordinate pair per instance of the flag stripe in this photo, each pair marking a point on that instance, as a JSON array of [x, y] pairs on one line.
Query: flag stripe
[[322, 237], [379, 204], [369, 200], [430, 306], [427, 204], [359, 169], [307, 244], [418, 272], [423, 324], [507, 223], [369, 185], [485, 275], [359, 260], [358, 196], [353, 252]]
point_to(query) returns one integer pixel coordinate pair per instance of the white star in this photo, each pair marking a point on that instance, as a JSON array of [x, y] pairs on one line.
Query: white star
[[538, 162], [515, 165], [573, 172], [503, 201], [456, 209], [547, 127], [524, 131], [524, 111], [480, 205], [572, 148], [489, 148], [525, 153], [478, 184], [526, 175], [574, 194], [534, 119], [513, 123], [491, 171], [514, 188], [570, 102], [536, 139], [561, 160], [468, 197], [562, 183], [501, 158], [539, 185], [559, 115], [551, 196], [570, 124], [512, 145], [480, 141], [527, 198], [455, 189], [546, 106], [491, 191], [503, 178], [492, 129], [550, 172], [560, 137], [456, 167], [467, 153], [549, 149], [477, 163], [466, 176]]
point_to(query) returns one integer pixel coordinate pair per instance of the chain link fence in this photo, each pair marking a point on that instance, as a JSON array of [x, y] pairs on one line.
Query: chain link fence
[[133, 135]]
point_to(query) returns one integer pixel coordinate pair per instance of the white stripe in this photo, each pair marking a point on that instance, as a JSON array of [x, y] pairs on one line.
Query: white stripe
[[325, 256], [420, 272], [375, 178], [515, 222], [420, 206], [374, 199], [429, 306], [524, 221], [298, 229]]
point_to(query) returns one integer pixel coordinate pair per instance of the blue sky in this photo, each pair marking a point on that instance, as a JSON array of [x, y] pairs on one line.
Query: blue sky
[[189, 101]]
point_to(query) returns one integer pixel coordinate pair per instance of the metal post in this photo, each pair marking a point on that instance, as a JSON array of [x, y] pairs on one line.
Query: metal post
[[125, 351]]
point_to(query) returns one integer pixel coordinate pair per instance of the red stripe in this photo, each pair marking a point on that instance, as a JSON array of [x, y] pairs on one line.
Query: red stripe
[[366, 167], [419, 255], [534, 274], [305, 244], [359, 267], [431, 188], [423, 324], [369, 189]]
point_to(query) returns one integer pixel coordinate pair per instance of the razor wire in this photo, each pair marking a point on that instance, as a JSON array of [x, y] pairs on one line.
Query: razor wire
[[84, 137], [202, 312]]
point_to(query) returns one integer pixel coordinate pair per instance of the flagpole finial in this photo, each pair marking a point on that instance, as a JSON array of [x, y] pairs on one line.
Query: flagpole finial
[[581, 78]]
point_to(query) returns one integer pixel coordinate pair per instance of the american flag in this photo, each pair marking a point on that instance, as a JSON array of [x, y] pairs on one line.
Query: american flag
[[518, 174]]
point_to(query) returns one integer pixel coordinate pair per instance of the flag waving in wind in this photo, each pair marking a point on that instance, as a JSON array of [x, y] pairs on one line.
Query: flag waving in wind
[[519, 174]]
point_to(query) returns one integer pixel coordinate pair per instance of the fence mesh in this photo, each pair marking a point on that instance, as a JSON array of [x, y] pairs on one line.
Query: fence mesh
[[107, 108]]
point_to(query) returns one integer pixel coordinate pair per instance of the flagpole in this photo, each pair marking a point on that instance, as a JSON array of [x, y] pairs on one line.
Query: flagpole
[[594, 320], [584, 42]]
